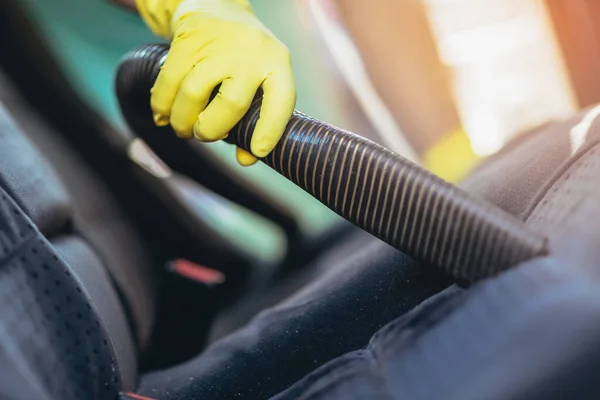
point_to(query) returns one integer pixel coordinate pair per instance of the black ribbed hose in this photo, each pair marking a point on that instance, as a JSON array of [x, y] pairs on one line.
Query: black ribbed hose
[[379, 191]]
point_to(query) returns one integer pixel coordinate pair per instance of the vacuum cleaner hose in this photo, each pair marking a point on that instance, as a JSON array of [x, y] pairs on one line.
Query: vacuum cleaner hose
[[388, 196]]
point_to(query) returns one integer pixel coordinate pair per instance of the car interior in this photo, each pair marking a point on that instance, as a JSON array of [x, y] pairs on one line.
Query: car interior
[[114, 285]]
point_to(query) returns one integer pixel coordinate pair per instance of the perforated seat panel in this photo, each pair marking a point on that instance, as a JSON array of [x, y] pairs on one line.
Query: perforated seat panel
[[51, 333], [64, 323]]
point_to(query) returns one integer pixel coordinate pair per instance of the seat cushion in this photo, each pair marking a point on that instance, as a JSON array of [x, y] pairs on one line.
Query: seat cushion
[[336, 313], [533, 333]]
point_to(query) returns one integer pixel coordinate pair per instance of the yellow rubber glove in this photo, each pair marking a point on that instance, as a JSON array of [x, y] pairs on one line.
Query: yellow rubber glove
[[219, 42], [452, 157]]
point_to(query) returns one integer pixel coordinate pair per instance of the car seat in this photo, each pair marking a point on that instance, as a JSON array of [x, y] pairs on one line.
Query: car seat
[[149, 198], [47, 176], [67, 334], [515, 308], [531, 333], [345, 303], [49, 90]]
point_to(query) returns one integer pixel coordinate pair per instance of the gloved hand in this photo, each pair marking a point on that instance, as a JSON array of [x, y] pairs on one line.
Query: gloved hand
[[219, 42]]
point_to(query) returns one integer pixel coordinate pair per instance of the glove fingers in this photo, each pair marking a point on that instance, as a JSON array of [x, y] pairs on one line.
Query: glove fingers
[[244, 158], [279, 100], [226, 109], [193, 96], [178, 64]]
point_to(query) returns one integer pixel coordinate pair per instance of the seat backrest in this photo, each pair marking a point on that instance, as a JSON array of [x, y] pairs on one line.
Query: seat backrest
[[516, 178], [76, 283]]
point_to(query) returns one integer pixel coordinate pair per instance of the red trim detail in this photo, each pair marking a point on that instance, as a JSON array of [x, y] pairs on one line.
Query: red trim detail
[[133, 396], [197, 272]]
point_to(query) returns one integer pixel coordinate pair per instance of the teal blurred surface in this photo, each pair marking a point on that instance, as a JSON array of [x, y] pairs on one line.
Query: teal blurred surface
[[89, 37]]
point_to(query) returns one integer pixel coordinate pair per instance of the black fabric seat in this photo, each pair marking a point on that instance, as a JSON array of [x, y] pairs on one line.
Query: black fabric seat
[[79, 292], [533, 332], [99, 236], [337, 313], [63, 335], [60, 185], [515, 178], [552, 173], [343, 298], [65, 327]]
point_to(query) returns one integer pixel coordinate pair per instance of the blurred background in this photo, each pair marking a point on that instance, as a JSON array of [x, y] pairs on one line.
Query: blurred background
[[442, 82]]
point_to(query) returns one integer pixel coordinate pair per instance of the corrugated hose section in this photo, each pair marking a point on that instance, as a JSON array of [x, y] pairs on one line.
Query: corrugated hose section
[[379, 191]]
